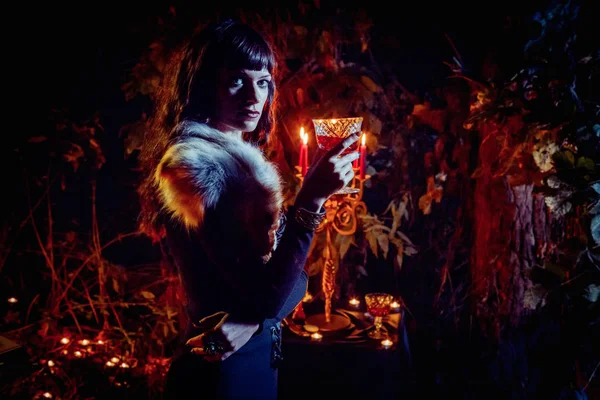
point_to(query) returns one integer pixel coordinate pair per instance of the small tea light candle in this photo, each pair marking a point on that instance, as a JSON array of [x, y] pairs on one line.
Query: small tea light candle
[[12, 300], [316, 337], [65, 340], [354, 302], [387, 343], [85, 342], [395, 305]]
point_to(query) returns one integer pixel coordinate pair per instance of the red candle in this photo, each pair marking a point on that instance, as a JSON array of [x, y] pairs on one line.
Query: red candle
[[303, 152], [363, 157], [355, 163]]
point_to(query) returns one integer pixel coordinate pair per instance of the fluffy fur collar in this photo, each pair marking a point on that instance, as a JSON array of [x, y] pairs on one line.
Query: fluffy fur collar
[[207, 171]]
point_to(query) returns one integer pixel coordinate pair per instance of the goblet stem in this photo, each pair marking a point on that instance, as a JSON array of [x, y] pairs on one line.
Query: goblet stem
[[378, 322]]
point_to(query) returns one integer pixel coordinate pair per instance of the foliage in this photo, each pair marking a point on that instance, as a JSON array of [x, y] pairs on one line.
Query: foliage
[[543, 130], [78, 293]]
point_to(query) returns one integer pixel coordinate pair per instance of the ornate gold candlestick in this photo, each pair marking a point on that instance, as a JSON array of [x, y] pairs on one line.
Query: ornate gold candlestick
[[342, 213]]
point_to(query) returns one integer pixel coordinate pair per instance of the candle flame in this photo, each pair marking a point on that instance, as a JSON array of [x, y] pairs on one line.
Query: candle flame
[[305, 138], [50, 363], [85, 342], [364, 139], [302, 132], [12, 300], [65, 340], [47, 395]]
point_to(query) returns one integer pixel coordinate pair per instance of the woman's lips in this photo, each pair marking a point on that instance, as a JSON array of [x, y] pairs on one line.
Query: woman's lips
[[249, 114]]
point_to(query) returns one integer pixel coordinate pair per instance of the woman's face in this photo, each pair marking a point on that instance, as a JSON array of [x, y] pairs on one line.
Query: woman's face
[[241, 97]]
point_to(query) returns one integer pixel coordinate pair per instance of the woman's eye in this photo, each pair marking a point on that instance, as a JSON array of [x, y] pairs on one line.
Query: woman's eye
[[236, 82], [263, 83]]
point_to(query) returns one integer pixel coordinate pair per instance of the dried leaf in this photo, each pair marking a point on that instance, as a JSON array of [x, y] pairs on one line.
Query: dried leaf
[[343, 242], [372, 86], [404, 238], [592, 292], [399, 260], [147, 295], [595, 228], [372, 239], [595, 208], [410, 251], [383, 241], [586, 163]]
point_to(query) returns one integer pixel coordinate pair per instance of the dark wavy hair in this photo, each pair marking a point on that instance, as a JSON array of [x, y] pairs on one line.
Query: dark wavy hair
[[188, 92]]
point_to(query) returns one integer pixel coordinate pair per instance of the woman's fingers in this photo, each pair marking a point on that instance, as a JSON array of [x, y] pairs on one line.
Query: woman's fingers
[[198, 350], [212, 358], [196, 341], [343, 145], [348, 158]]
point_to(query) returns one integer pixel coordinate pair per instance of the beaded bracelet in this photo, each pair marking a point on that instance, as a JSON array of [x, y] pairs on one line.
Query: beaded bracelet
[[308, 219]]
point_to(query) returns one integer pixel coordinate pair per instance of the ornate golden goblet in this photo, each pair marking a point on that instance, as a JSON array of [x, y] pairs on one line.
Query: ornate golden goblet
[[378, 305], [330, 132]]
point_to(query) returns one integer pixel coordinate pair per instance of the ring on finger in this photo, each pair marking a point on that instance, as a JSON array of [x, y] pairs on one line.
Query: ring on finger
[[213, 348]]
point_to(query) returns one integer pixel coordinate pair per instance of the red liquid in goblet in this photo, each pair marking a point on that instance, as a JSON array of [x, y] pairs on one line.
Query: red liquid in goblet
[[328, 142], [379, 311]]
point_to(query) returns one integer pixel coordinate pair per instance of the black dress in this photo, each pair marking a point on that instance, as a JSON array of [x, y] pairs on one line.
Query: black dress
[[265, 294]]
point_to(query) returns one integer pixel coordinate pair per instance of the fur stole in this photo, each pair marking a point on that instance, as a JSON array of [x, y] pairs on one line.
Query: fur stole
[[208, 174]]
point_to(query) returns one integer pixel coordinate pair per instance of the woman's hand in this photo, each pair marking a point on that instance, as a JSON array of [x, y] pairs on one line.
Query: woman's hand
[[222, 340], [327, 175]]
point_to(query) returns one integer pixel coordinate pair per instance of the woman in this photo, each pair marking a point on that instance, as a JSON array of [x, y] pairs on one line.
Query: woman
[[216, 201]]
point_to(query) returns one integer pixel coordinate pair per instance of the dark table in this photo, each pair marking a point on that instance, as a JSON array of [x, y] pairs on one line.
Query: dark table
[[346, 365]]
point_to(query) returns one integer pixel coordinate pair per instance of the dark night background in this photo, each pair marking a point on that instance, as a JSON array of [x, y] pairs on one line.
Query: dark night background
[[77, 56]]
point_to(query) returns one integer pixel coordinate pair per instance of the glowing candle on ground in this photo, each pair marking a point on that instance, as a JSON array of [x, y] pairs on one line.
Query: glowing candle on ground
[[354, 302], [363, 157], [64, 340], [12, 300], [395, 305], [316, 337], [386, 343]]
